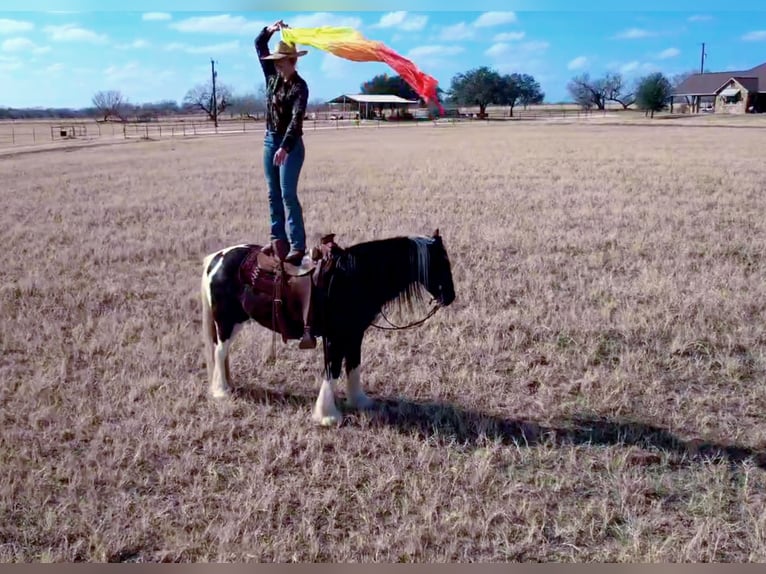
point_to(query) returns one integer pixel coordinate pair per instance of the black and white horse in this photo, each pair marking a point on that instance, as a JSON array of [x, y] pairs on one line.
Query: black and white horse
[[366, 278]]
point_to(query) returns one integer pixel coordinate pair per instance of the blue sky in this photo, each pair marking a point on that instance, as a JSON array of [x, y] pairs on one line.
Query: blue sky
[[62, 58]]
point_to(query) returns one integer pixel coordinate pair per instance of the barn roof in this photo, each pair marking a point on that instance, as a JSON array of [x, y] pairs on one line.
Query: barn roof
[[709, 83], [371, 99]]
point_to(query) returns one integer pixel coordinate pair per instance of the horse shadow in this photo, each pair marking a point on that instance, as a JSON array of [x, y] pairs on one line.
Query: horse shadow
[[451, 424]]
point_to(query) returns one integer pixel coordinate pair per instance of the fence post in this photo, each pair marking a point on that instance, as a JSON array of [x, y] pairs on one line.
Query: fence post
[[34, 135], [13, 134]]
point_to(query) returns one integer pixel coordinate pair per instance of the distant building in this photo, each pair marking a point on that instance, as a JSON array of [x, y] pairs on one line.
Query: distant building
[[367, 105], [734, 92]]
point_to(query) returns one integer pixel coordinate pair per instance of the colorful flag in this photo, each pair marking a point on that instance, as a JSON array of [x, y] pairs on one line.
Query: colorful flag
[[349, 44]]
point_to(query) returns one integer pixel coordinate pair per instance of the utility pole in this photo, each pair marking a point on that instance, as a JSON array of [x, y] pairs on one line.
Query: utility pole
[[214, 106], [702, 59]]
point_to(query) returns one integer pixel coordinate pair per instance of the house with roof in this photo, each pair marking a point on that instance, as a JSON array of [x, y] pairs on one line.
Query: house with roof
[[733, 92]]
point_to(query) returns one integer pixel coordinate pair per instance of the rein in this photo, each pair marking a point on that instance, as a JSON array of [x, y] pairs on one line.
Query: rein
[[413, 324]]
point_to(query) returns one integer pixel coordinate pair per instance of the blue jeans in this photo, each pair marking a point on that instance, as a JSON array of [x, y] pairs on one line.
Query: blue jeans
[[282, 181]]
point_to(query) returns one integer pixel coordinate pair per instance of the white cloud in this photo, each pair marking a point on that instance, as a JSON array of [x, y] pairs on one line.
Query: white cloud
[[509, 36], [155, 16], [220, 48], [434, 50], [401, 20], [318, 19], [220, 24], [9, 64], [23, 45], [465, 31], [634, 34], [134, 45], [504, 49], [630, 67], [699, 18], [14, 26], [755, 36], [669, 53], [335, 67], [634, 66], [494, 19], [455, 32], [578, 63], [74, 33]]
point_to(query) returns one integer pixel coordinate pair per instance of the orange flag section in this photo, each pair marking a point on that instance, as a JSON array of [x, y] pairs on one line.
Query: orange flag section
[[349, 44]]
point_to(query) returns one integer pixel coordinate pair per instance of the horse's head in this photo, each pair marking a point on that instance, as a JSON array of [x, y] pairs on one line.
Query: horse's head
[[440, 284]]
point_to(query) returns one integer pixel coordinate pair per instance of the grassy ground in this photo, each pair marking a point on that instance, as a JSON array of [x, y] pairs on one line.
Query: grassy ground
[[595, 393]]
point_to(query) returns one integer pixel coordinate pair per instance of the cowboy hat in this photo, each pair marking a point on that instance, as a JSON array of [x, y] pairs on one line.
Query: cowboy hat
[[285, 50]]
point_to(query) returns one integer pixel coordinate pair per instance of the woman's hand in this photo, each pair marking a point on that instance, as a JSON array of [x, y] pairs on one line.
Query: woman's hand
[[278, 25], [280, 157]]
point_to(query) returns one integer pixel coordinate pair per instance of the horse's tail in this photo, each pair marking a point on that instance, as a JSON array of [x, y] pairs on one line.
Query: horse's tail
[[209, 332]]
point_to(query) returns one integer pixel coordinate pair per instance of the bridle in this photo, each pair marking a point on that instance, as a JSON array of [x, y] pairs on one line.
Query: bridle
[[393, 327]]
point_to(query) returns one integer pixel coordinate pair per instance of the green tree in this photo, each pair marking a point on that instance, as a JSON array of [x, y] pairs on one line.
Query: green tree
[[383, 84], [509, 91], [477, 87], [531, 93], [653, 92], [389, 85]]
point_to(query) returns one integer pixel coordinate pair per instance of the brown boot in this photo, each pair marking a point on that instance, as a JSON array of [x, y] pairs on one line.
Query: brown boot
[[295, 257], [280, 247], [304, 289]]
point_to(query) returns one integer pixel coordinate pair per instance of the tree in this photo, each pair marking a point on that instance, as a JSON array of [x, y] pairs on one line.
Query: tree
[[477, 87], [201, 96], [109, 103], [585, 92], [653, 92], [509, 91], [531, 94], [389, 85], [597, 92], [383, 84], [615, 90]]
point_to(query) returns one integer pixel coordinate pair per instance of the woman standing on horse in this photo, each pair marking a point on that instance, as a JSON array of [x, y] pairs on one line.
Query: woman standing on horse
[[283, 149]]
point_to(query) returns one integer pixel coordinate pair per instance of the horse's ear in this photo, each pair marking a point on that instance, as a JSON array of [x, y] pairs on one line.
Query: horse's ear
[[436, 232]]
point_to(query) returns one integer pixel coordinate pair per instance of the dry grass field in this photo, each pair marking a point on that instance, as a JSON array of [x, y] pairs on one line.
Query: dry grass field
[[597, 391]]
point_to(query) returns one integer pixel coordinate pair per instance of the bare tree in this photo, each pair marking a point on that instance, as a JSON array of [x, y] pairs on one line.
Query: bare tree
[[586, 92], [201, 97], [109, 103], [616, 91], [596, 92]]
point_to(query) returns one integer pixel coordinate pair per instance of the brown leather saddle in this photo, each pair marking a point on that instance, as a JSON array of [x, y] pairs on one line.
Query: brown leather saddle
[[281, 296]]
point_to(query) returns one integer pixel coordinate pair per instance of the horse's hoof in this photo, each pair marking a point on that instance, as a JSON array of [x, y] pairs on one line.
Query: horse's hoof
[[220, 393], [327, 420]]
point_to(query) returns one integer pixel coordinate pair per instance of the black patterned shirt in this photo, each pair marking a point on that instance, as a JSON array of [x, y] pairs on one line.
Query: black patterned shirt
[[286, 99]]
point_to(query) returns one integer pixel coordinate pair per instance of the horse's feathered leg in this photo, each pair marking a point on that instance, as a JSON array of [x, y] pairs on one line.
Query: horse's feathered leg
[[326, 413], [356, 397]]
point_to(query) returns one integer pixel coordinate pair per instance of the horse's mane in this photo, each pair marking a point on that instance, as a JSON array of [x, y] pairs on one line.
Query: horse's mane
[[393, 268]]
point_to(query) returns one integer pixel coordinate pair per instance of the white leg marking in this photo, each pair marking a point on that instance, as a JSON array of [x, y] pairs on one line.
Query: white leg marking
[[355, 395], [325, 412], [219, 388]]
